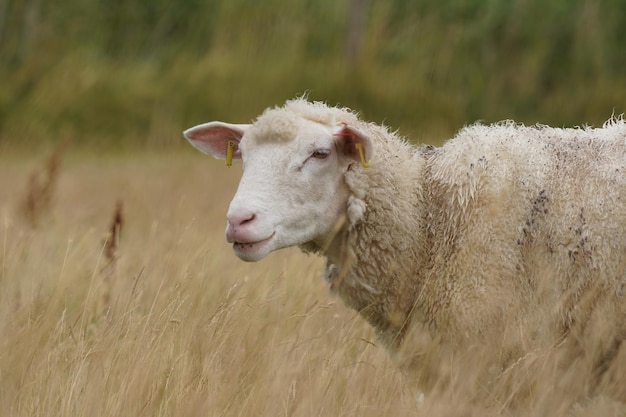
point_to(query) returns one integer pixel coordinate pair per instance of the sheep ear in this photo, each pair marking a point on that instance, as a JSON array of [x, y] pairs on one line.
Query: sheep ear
[[212, 138], [353, 144]]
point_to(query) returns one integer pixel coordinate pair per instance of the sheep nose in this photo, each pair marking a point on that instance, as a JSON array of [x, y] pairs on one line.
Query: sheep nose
[[237, 220], [238, 225]]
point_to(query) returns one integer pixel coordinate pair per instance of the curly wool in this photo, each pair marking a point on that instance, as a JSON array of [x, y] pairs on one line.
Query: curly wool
[[499, 220], [505, 229]]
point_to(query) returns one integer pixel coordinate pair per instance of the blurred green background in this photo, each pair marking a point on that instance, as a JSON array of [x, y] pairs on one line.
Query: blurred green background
[[127, 73]]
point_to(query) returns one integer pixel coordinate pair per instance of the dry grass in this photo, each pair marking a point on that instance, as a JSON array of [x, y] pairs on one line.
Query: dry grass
[[179, 326], [167, 322], [41, 187]]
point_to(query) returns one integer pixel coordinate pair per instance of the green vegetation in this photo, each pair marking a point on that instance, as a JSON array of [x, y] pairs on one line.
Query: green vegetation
[[139, 71]]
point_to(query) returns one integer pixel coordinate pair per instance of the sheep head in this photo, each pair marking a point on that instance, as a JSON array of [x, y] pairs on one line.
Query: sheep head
[[292, 191]]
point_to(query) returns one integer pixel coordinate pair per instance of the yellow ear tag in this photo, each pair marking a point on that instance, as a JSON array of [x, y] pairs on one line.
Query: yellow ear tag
[[229, 153], [359, 147]]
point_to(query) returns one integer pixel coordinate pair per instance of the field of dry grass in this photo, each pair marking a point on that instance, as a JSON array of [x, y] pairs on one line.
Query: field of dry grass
[[163, 320], [171, 323]]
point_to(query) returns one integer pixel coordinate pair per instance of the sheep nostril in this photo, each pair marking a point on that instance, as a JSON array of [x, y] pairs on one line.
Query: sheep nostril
[[240, 219], [248, 220]]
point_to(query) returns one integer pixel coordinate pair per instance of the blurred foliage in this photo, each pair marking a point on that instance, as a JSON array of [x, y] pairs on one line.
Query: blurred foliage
[[138, 72]]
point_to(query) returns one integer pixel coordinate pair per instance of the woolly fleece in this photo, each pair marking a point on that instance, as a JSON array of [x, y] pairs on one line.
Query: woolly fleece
[[447, 244]]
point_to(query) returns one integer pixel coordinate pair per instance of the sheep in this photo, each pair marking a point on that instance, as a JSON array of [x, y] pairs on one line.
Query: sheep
[[441, 247]]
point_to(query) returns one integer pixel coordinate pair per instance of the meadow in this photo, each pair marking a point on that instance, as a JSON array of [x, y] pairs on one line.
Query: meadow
[[171, 323], [118, 293], [139, 71], [119, 296]]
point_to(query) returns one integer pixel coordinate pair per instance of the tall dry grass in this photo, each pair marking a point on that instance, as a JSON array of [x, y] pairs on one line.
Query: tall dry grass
[[162, 319], [179, 326]]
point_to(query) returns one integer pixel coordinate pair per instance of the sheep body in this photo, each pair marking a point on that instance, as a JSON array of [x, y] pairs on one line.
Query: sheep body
[[502, 224], [513, 228]]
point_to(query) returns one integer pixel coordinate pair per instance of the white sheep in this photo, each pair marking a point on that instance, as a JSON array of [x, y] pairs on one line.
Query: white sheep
[[499, 223]]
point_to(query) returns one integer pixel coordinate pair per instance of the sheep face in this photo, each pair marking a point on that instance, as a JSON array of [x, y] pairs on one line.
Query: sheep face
[[292, 191]]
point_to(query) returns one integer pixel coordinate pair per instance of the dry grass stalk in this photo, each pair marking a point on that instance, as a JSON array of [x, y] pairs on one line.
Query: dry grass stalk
[[110, 249], [40, 190], [112, 241]]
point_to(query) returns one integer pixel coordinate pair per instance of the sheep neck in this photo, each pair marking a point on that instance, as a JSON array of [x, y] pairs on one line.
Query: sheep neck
[[373, 264]]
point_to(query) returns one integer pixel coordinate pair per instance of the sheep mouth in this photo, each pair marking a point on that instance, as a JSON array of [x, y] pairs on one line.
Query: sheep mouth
[[252, 250]]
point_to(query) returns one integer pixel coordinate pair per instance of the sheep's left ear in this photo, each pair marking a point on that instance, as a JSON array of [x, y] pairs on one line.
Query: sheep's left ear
[[353, 144]]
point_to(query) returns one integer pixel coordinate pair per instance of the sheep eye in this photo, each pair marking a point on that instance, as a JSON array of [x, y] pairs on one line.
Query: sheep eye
[[320, 153]]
